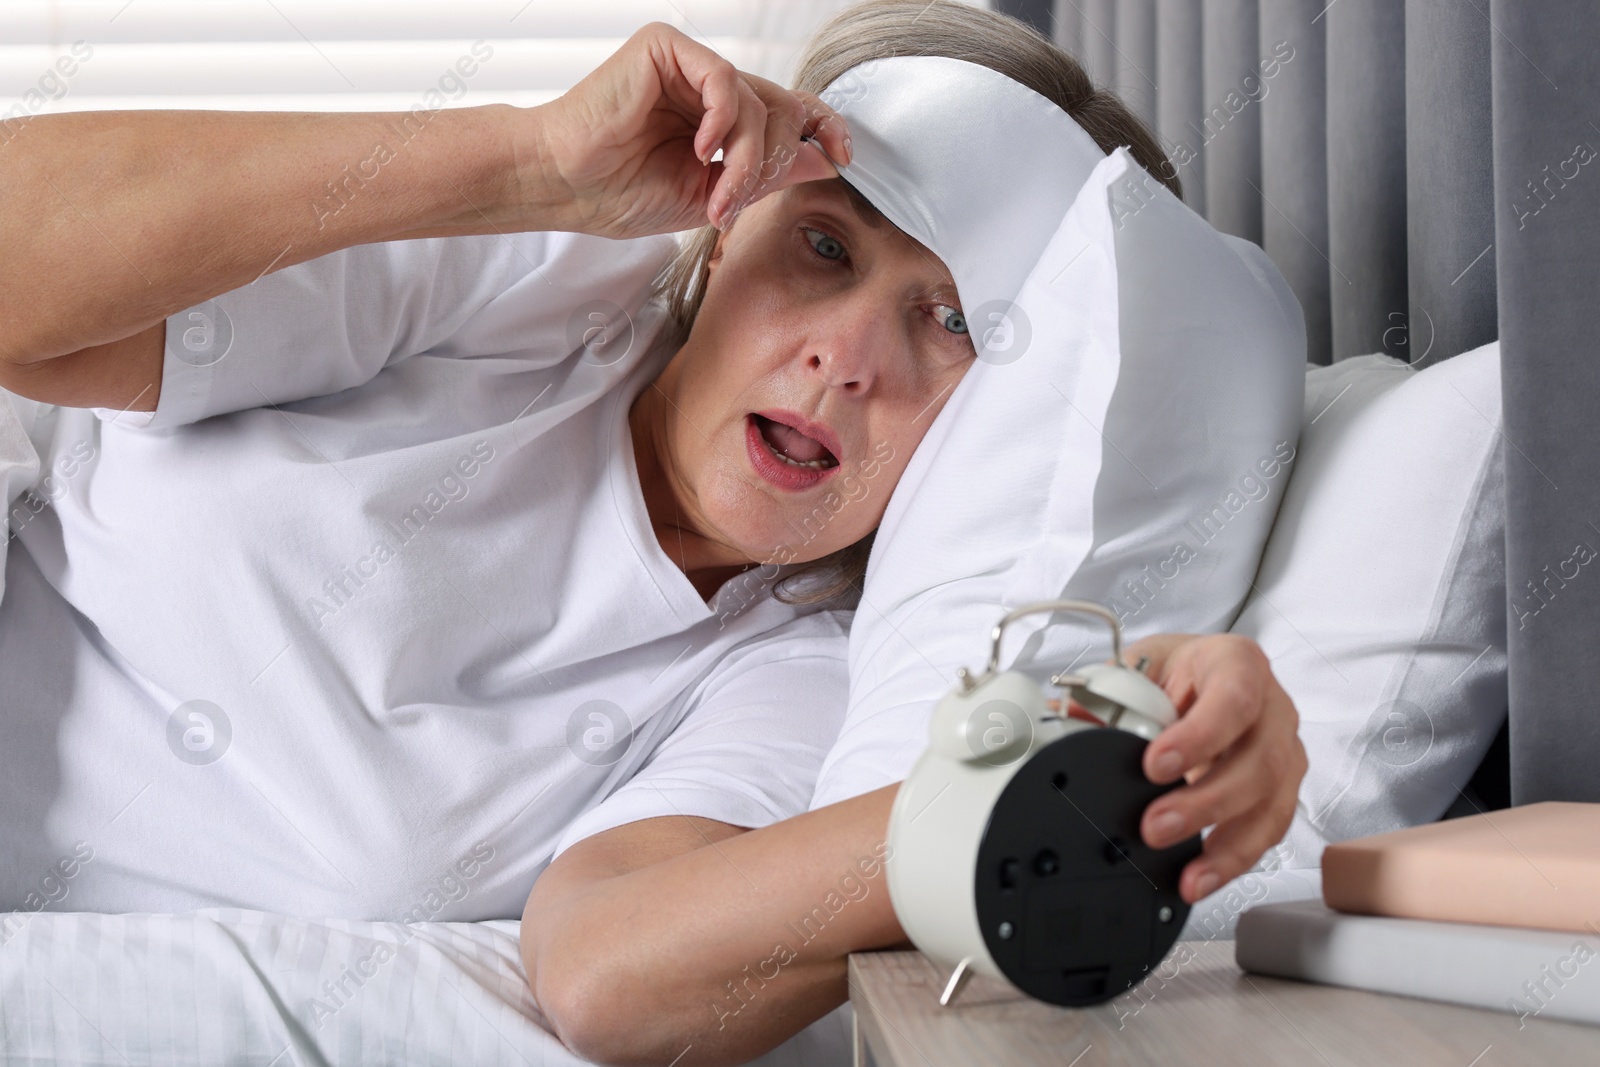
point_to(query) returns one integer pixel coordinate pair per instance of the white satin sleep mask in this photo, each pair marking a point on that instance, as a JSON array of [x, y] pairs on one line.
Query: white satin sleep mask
[[976, 166]]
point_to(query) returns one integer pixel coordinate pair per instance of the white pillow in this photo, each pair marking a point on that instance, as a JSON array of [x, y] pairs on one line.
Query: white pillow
[[1153, 385], [1381, 599]]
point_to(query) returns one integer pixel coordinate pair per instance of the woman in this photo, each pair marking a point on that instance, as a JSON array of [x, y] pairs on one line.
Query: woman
[[442, 526]]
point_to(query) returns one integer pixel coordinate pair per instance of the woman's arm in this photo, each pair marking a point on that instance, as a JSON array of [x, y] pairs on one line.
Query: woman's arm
[[116, 220], [684, 933], [128, 217], [119, 219], [678, 934]]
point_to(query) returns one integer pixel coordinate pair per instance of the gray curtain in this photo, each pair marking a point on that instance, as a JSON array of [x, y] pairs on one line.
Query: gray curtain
[[1367, 176], [1426, 174], [1294, 143], [1040, 14], [1337, 136], [1231, 117], [1449, 178], [1136, 57], [1546, 101], [1067, 28], [1179, 113], [1098, 34]]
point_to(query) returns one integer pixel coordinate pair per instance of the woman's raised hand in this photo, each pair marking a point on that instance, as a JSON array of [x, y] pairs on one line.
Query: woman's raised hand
[[627, 151]]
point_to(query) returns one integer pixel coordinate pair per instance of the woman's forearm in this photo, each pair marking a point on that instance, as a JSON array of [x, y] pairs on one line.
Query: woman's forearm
[[727, 948], [116, 220]]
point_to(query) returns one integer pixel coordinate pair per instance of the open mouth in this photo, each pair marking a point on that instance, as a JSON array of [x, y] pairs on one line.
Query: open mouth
[[788, 451], [792, 447]]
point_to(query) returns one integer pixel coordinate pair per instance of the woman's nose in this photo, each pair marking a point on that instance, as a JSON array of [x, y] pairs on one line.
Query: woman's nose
[[847, 352], [840, 370]]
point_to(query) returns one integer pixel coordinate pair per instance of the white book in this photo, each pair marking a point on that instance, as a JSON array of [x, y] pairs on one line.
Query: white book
[[1548, 974]]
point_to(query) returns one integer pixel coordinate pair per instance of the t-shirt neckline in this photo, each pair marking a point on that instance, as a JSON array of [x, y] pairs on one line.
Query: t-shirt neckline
[[679, 593]]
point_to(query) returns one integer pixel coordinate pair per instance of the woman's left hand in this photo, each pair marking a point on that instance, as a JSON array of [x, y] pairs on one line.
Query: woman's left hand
[[1236, 740]]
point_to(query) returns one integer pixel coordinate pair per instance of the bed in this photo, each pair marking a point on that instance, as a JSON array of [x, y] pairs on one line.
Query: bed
[[247, 987], [224, 985]]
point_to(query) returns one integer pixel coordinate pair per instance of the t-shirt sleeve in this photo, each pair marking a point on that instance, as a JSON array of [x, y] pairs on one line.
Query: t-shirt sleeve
[[877, 746], [748, 750], [334, 322]]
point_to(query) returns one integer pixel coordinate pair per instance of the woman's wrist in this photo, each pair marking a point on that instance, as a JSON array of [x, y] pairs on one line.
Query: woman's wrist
[[493, 172]]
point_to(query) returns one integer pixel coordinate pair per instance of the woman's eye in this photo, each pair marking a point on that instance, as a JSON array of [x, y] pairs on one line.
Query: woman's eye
[[825, 245], [951, 318]]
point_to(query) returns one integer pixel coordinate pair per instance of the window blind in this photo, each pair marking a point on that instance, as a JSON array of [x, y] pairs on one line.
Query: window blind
[[388, 55]]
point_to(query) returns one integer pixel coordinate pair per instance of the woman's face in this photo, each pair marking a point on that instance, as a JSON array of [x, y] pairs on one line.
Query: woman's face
[[827, 342]]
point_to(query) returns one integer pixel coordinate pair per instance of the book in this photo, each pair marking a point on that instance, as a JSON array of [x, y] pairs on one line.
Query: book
[[1535, 866], [1530, 973]]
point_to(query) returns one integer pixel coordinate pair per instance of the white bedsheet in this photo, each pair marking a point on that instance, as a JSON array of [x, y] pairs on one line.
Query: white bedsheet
[[225, 986]]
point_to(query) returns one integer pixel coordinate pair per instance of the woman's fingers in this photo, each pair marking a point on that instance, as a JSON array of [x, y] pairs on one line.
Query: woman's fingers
[[721, 98], [631, 145], [1243, 778], [826, 127], [803, 140], [1156, 650], [699, 84], [1220, 687], [1235, 846], [1237, 740], [741, 159]]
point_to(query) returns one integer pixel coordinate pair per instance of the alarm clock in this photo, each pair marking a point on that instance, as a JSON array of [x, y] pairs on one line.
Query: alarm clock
[[1014, 842]]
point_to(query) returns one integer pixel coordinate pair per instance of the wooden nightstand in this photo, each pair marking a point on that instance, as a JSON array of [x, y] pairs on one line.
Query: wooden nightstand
[[1199, 1009]]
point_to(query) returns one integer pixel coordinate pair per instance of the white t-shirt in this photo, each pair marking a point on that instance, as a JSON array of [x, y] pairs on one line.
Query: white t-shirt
[[392, 629]]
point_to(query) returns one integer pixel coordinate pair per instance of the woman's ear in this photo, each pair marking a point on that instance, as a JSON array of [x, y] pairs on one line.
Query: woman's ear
[[716, 253]]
